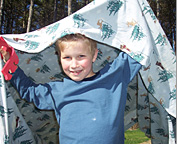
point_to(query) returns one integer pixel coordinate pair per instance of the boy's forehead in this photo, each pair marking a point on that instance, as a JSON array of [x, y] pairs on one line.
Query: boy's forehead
[[72, 44], [87, 44]]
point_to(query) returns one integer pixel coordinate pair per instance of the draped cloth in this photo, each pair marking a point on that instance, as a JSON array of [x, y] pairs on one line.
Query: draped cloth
[[126, 25]]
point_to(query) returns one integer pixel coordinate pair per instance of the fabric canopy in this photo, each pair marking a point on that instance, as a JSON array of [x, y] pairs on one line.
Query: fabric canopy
[[126, 25]]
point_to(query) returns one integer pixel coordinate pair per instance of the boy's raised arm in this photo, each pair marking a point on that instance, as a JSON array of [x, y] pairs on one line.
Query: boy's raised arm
[[36, 93]]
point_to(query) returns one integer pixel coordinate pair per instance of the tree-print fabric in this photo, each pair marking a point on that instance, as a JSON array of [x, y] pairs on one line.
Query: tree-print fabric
[[127, 25]]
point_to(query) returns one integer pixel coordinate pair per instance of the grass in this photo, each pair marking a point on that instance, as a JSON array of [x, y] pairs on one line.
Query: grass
[[135, 137]]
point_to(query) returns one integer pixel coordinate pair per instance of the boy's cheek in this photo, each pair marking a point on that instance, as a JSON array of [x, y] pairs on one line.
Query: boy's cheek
[[86, 64], [64, 65]]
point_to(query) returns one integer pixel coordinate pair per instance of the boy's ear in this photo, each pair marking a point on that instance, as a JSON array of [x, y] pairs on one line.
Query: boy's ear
[[95, 55]]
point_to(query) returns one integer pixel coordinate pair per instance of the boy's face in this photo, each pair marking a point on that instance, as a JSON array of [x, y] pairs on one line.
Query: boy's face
[[76, 60]]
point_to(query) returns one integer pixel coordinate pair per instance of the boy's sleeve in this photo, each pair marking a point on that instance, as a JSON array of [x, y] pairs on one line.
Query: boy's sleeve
[[39, 94], [129, 66], [134, 67]]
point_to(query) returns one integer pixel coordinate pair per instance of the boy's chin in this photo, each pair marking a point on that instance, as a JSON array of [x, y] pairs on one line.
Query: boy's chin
[[76, 78]]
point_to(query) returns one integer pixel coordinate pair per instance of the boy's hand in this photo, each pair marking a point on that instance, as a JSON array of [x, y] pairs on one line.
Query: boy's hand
[[5, 53], [11, 59]]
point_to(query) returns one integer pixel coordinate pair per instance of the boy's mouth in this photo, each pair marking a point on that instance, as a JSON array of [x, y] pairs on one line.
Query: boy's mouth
[[76, 72]]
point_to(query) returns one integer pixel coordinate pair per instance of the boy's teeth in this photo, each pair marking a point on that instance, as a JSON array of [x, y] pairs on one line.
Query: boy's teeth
[[76, 71]]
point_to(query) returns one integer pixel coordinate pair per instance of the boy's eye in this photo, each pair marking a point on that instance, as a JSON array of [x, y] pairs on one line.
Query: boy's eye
[[82, 56], [67, 57]]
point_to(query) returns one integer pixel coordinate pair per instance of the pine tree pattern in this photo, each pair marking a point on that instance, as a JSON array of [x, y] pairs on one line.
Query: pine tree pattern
[[27, 142], [151, 88], [53, 129], [106, 29], [137, 57], [28, 36], [100, 54], [31, 45], [161, 132], [114, 6], [161, 40], [164, 76], [45, 68], [137, 33], [37, 57], [147, 9], [174, 58], [9, 111], [117, 51], [18, 101], [44, 117], [59, 76], [52, 29], [154, 110], [172, 134], [29, 123], [129, 97], [6, 140], [148, 131], [36, 111], [173, 94], [79, 20], [140, 107], [66, 32], [2, 111], [127, 108], [25, 104], [19, 131], [41, 129]]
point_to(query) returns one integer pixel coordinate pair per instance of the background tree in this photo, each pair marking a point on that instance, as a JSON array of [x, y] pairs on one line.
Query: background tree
[[158, 9], [69, 7], [55, 10], [30, 16], [1, 7]]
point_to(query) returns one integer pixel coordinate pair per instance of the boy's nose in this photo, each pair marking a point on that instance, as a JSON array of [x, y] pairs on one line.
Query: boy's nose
[[74, 63]]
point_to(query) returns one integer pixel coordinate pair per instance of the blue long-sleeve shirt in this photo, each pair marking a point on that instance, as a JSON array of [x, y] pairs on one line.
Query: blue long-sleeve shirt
[[89, 111]]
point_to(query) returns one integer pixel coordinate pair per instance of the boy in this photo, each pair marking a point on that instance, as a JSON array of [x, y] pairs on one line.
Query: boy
[[89, 106]]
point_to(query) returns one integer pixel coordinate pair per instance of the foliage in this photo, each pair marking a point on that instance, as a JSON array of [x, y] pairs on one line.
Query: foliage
[[15, 14], [135, 137]]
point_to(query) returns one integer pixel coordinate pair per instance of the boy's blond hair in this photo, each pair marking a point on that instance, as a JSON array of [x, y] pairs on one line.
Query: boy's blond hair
[[92, 45]]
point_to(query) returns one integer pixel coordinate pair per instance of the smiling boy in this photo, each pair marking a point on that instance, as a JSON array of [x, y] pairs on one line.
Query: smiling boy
[[89, 106], [76, 56]]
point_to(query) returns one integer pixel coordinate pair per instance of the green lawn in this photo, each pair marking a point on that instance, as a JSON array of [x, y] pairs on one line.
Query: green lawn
[[135, 137]]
